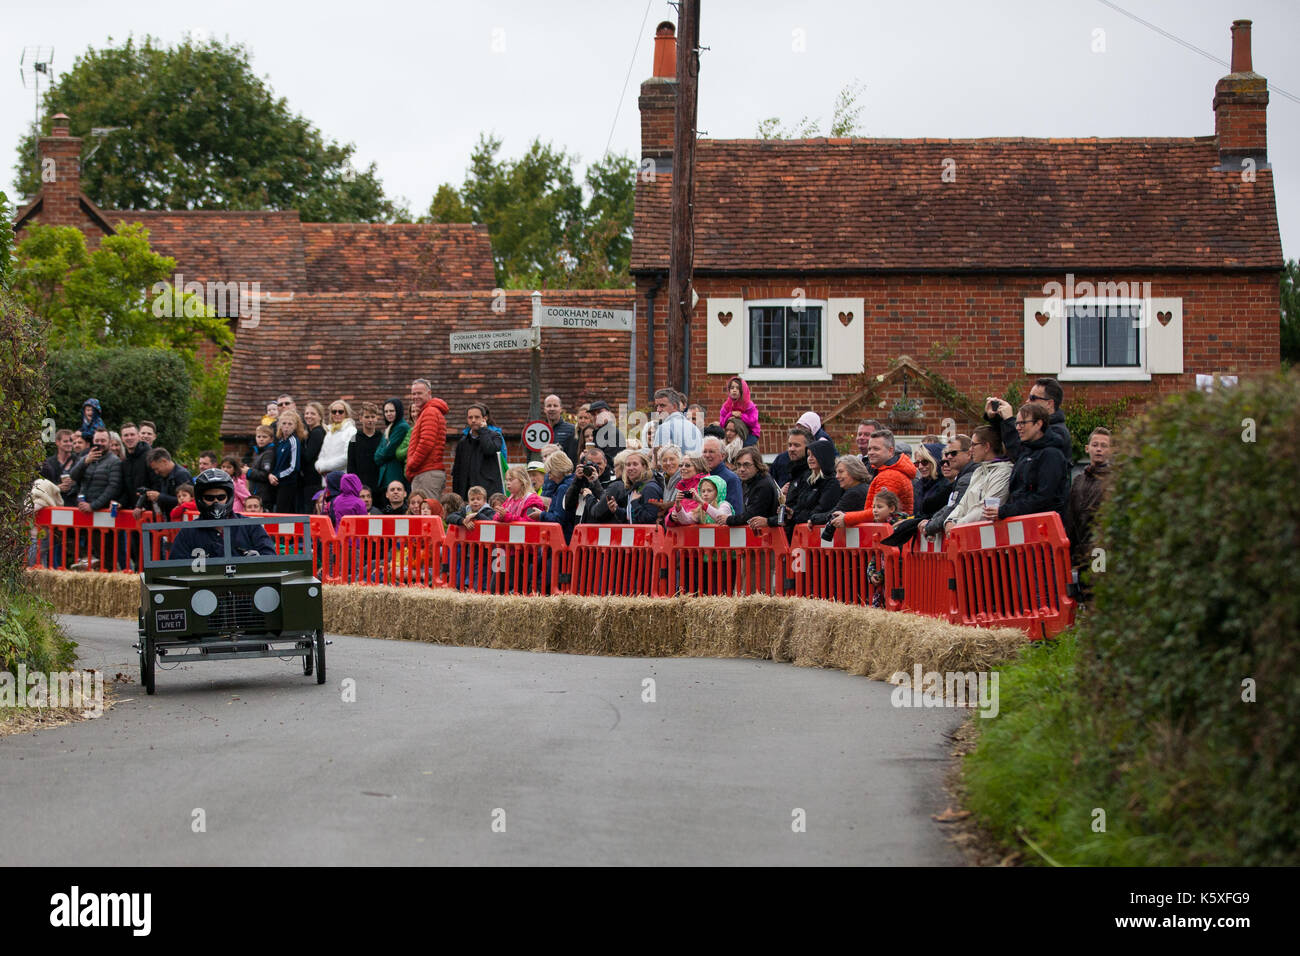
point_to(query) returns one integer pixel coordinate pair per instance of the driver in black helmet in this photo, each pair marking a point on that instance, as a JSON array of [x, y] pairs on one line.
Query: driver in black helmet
[[214, 492]]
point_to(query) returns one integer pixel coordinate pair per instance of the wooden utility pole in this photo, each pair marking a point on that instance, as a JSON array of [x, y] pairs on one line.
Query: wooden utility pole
[[682, 248], [535, 361]]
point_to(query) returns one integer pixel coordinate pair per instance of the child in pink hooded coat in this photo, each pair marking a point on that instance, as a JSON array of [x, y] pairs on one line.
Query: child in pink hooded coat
[[739, 403]]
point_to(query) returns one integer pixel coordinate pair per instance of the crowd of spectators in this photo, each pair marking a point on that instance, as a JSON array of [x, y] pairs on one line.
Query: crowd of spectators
[[392, 459]]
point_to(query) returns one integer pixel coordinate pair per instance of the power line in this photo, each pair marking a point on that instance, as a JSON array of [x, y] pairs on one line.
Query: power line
[[640, 34], [1191, 46]]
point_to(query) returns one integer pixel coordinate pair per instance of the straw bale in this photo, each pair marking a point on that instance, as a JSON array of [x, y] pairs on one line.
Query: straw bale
[[88, 592], [806, 632]]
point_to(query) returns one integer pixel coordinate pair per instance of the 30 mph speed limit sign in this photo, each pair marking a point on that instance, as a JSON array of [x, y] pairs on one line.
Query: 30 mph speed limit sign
[[536, 434]]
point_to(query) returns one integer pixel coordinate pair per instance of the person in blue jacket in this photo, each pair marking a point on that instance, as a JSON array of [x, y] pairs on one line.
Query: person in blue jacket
[[288, 462], [559, 478], [214, 492]]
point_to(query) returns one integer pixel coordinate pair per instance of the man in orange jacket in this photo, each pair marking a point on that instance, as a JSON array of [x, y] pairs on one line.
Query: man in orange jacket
[[426, 451], [891, 470]]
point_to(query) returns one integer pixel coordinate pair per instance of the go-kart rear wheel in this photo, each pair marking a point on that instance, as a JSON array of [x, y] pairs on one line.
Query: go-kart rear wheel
[[147, 664], [318, 645]]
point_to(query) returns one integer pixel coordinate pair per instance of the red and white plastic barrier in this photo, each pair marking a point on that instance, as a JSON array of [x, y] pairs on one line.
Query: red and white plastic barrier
[[1006, 573], [624, 560]]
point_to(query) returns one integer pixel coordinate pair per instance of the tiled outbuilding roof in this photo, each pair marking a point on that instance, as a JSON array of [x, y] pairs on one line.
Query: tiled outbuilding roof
[[863, 205], [369, 346], [225, 246], [426, 257]]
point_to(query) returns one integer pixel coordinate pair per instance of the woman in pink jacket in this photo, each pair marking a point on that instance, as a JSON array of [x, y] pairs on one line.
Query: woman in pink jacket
[[523, 504], [739, 403]]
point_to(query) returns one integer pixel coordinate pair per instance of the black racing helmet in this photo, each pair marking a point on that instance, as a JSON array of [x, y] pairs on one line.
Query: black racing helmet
[[208, 483]]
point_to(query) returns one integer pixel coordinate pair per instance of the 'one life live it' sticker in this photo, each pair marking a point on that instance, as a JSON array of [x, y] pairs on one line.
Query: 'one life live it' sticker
[[170, 620]]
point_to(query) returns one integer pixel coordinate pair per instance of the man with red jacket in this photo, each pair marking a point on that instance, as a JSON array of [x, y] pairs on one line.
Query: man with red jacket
[[426, 451], [891, 469]]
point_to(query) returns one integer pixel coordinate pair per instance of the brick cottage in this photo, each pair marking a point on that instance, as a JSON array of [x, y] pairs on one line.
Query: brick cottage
[[841, 274]]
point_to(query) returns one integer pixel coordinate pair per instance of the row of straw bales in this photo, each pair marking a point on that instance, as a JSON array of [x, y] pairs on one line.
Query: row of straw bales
[[802, 631]]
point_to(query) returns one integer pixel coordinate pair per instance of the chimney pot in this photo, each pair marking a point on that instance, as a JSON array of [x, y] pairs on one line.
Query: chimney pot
[[665, 61], [59, 124], [1241, 46], [1240, 108]]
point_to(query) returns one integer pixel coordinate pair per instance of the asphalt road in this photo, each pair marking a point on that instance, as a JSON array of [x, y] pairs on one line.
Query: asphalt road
[[443, 742]]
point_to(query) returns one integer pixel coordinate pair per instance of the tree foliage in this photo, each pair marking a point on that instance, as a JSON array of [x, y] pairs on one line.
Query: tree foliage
[[23, 406], [546, 228], [844, 119], [112, 311], [110, 297], [8, 264], [200, 131], [1291, 313], [130, 383]]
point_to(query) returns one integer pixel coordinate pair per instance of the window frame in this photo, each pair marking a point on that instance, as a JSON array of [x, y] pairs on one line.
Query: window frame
[[816, 374], [1107, 373]]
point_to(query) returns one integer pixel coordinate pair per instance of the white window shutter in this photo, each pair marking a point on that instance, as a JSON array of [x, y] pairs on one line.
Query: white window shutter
[[1165, 338], [845, 344], [726, 335], [1044, 323]]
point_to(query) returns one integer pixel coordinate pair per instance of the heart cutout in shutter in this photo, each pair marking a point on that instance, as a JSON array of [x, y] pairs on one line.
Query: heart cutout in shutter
[[1042, 318], [1164, 318], [846, 318], [724, 318]]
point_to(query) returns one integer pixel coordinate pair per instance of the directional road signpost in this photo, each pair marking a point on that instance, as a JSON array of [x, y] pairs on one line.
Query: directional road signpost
[[595, 320], [497, 340]]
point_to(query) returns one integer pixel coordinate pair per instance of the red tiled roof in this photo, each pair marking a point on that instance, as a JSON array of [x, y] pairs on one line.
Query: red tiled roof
[[369, 346], [865, 205], [224, 246], [356, 257]]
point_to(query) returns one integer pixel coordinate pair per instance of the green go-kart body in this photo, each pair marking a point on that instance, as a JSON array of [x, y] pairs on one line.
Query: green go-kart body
[[215, 607]]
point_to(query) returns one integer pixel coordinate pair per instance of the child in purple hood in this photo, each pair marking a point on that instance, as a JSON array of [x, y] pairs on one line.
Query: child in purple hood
[[344, 496]]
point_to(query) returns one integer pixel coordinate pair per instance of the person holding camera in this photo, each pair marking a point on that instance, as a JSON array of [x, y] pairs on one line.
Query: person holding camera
[[634, 502], [159, 496], [99, 474], [1040, 478], [587, 489], [683, 499], [1046, 392]]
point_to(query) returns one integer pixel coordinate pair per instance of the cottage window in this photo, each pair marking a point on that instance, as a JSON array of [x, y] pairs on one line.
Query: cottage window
[[1104, 335], [785, 337], [1105, 339], [785, 340]]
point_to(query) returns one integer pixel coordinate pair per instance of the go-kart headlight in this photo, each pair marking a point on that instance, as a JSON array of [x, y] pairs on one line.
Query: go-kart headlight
[[266, 599], [204, 602]]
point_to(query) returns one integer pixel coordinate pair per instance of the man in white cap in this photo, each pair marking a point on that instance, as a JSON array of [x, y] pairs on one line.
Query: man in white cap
[[537, 475]]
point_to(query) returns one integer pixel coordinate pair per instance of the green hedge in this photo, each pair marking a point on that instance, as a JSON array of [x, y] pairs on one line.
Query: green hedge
[[1195, 613], [23, 406], [1081, 420], [29, 633], [131, 384]]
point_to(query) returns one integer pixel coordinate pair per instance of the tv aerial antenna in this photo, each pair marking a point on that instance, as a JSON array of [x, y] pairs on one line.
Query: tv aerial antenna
[[36, 61], [99, 132]]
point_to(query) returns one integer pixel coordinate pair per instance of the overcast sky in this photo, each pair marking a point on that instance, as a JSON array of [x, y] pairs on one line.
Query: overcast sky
[[412, 84]]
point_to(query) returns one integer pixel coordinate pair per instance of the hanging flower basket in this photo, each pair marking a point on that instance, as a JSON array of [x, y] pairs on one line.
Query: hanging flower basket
[[906, 411]]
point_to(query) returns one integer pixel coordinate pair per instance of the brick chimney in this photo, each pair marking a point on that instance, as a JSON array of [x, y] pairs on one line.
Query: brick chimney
[[1240, 102], [659, 99], [60, 155]]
